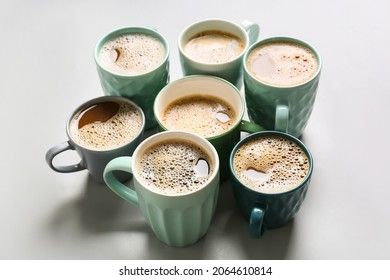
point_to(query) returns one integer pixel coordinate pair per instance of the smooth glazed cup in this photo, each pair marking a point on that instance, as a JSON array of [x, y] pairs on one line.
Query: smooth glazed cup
[[94, 160], [231, 70]]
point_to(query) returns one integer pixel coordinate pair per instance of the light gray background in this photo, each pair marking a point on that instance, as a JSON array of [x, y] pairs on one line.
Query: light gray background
[[47, 69]]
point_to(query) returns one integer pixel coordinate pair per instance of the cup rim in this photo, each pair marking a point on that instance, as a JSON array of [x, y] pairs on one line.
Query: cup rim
[[240, 114], [274, 133], [100, 99], [131, 29], [176, 135], [281, 39], [181, 43]]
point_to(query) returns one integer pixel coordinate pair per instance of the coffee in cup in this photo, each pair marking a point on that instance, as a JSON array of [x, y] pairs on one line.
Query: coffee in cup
[[270, 175], [281, 78], [282, 63], [174, 167], [106, 125], [99, 130], [208, 106], [203, 114], [271, 164], [133, 62], [214, 46], [176, 184], [132, 54]]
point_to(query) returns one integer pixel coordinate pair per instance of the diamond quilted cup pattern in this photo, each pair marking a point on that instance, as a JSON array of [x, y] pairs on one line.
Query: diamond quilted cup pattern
[[283, 208], [261, 104], [301, 106], [264, 210], [140, 89], [279, 209]]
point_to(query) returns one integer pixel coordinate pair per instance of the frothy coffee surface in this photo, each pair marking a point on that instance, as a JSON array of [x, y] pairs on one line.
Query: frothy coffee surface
[[271, 164], [106, 125], [282, 63], [202, 114], [175, 167], [132, 54], [214, 47]]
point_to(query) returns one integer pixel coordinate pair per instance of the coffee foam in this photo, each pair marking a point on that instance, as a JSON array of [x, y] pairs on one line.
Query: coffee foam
[[202, 114], [282, 63], [170, 167], [117, 131], [214, 47], [283, 165], [132, 54]]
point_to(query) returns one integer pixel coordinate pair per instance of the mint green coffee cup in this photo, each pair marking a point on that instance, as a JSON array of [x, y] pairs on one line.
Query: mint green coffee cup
[[228, 65], [205, 87], [280, 104], [178, 211], [139, 85], [271, 174]]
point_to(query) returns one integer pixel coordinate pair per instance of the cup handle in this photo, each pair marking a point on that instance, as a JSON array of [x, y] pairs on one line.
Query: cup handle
[[252, 29], [281, 118], [121, 164], [256, 226], [54, 151], [250, 127]]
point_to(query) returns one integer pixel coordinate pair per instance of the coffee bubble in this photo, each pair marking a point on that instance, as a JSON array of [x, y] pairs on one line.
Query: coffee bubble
[[202, 114], [282, 63], [132, 54], [214, 46], [103, 127], [271, 164], [175, 167]]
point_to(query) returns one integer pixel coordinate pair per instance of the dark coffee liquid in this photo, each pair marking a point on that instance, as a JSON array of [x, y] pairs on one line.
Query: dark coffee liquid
[[98, 113], [106, 125]]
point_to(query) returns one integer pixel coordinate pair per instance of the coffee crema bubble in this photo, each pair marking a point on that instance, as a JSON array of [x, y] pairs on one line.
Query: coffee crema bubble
[[205, 115], [270, 164], [174, 167], [214, 46], [282, 63], [106, 125], [132, 54]]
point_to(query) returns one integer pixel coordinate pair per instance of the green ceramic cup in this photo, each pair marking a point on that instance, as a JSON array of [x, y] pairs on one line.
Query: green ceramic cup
[[269, 210], [140, 88], [230, 70], [213, 87], [176, 219], [281, 108]]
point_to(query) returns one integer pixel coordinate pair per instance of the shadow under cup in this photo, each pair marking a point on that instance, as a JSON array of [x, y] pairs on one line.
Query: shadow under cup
[[269, 210]]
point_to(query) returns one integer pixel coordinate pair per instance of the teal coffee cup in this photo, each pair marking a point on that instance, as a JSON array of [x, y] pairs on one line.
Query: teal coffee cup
[[216, 47], [133, 62], [176, 185], [281, 77], [271, 173], [100, 130], [208, 106]]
